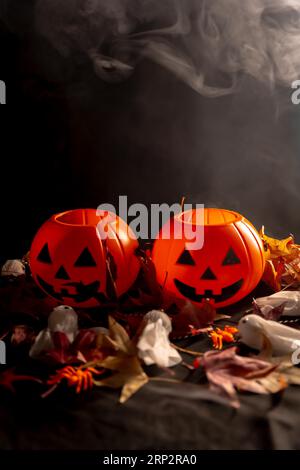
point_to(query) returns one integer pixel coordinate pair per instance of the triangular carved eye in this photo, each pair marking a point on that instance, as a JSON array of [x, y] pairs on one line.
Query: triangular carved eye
[[186, 258], [44, 255], [231, 258], [85, 260]]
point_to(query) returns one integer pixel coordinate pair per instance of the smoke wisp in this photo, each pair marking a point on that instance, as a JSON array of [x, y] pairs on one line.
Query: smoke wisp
[[208, 44]]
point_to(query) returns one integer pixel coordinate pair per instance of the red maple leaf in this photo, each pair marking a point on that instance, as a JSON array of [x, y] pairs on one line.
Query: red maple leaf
[[9, 377]]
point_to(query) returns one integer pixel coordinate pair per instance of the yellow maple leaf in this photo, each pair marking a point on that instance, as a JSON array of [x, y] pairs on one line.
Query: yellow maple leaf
[[275, 248], [126, 369], [270, 276]]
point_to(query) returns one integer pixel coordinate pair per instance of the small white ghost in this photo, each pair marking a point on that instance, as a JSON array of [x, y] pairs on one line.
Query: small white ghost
[[63, 319], [13, 267], [43, 342], [253, 329], [153, 345]]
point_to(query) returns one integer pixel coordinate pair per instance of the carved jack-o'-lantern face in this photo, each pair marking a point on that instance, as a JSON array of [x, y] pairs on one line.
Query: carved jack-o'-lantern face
[[70, 261], [225, 269]]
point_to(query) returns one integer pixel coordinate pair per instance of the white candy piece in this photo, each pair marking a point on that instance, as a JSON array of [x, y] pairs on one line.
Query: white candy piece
[[253, 329], [13, 267], [153, 345], [290, 299]]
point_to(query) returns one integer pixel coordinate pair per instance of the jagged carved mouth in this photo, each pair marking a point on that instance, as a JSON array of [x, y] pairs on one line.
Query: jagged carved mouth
[[84, 292], [190, 292]]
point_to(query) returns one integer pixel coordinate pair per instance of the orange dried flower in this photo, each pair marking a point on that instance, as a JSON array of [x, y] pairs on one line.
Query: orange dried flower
[[78, 377], [231, 329], [217, 339], [226, 335]]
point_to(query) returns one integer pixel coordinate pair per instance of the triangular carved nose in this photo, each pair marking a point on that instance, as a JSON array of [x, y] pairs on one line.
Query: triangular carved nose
[[62, 274], [208, 275]]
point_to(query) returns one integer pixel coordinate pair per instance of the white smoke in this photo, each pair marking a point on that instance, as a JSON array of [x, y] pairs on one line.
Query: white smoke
[[194, 39]]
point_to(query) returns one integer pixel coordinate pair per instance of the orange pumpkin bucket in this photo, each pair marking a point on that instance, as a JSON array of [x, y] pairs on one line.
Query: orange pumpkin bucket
[[228, 266], [72, 263]]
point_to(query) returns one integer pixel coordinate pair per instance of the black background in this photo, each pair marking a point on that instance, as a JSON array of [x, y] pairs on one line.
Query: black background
[[69, 139]]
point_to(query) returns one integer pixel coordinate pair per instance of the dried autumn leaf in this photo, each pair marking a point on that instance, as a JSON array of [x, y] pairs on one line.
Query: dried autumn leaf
[[61, 353], [119, 337], [291, 274], [273, 314], [184, 313], [129, 375], [132, 385], [287, 369], [104, 342], [127, 372], [273, 382], [221, 316], [270, 276], [227, 372], [24, 298], [282, 261], [277, 247], [285, 373]]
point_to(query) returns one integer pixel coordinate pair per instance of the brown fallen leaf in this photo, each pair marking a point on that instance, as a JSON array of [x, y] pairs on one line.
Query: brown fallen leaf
[[227, 372], [276, 248], [221, 316], [291, 274], [270, 276], [273, 382], [119, 337], [126, 369], [282, 262], [128, 375], [291, 374], [185, 314], [284, 364], [274, 314], [284, 375]]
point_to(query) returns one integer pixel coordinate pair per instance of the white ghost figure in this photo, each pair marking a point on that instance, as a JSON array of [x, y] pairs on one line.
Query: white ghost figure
[[43, 342], [13, 267], [253, 329], [153, 345], [63, 319], [290, 299]]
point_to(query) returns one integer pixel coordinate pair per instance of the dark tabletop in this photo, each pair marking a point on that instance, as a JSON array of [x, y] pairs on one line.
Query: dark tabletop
[[161, 415]]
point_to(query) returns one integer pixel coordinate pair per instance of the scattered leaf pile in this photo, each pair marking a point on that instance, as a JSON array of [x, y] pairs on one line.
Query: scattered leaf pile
[[109, 358]]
